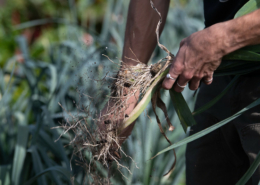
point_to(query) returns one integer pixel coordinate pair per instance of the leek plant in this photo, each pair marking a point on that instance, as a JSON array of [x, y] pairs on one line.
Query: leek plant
[[60, 69]]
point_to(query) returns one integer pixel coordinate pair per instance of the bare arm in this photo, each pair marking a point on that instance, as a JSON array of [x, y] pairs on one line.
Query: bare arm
[[140, 37], [200, 54], [140, 29]]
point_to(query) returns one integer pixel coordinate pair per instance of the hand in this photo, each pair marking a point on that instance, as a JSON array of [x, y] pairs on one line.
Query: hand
[[106, 122], [198, 57]]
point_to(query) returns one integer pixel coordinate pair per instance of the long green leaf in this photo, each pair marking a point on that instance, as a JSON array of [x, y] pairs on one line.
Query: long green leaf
[[250, 6], [238, 69], [20, 153], [182, 110], [250, 171], [50, 163], [209, 129], [244, 55], [254, 48], [4, 174], [62, 170], [212, 102], [37, 165]]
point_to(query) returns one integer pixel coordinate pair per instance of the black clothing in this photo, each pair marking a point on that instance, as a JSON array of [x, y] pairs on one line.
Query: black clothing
[[223, 156], [216, 11]]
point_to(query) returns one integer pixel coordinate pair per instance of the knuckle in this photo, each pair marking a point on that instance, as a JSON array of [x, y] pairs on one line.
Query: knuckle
[[188, 76], [178, 67], [198, 76], [182, 41]]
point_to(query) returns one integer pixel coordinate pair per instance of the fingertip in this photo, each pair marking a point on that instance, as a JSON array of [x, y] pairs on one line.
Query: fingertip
[[208, 83]]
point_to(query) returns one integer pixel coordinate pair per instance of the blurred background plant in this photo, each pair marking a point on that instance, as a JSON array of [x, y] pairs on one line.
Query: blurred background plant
[[50, 51]]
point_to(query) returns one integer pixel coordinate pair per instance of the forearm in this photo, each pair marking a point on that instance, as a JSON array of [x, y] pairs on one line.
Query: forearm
[[140, 34], [241, 32]]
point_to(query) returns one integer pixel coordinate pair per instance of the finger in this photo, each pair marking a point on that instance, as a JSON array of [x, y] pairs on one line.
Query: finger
[[175, 70], [195, 83], [183, 80], [209, 71], [208, 79]]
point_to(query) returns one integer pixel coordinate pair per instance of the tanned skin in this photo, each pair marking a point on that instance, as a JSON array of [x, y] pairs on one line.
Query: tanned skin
[[199, 54]]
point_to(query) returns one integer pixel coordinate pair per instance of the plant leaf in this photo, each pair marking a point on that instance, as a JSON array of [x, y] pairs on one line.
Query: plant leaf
[[250, 171], [20, 153], [62, 170], [244, 55], [239, 69], [4, 174], [37, 165], [209, 129], [212, 102], [182, 110], [250, 6]]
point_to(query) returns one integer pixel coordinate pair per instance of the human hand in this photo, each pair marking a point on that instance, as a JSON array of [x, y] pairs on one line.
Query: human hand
[[112, 116], [198, 57]]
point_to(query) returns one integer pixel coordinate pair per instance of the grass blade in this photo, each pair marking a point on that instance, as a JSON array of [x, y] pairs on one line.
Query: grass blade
[[244, 55], [182, 110], [209, 129], [59, 169], [20, 153], [250, 171], [50, 163], [212, 102], [37, 165], [4, 174]]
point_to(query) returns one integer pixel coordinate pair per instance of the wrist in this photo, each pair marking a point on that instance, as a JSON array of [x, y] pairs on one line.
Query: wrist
[[241, 32], [233, 40], [219, 40]]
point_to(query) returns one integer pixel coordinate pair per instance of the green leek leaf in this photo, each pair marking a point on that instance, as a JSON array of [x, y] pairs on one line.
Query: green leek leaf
[[20, 153], [209, 129], [62, 170], [250, 171], [244, 55], [212, 102], [250, 6], [182, 110]]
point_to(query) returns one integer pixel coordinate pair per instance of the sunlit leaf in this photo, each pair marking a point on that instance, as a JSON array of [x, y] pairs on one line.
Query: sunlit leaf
[[250, 6]]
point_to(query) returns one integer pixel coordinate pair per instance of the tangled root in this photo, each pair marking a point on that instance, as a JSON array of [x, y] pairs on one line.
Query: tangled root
[[103, 146]]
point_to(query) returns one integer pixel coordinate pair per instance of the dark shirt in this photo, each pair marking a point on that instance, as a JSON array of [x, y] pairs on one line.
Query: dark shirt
[[216, 11]]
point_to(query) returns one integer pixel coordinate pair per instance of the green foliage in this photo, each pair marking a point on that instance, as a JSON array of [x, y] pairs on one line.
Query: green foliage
[[57, 66], [250, 171], [250, 6], [182, 110]]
